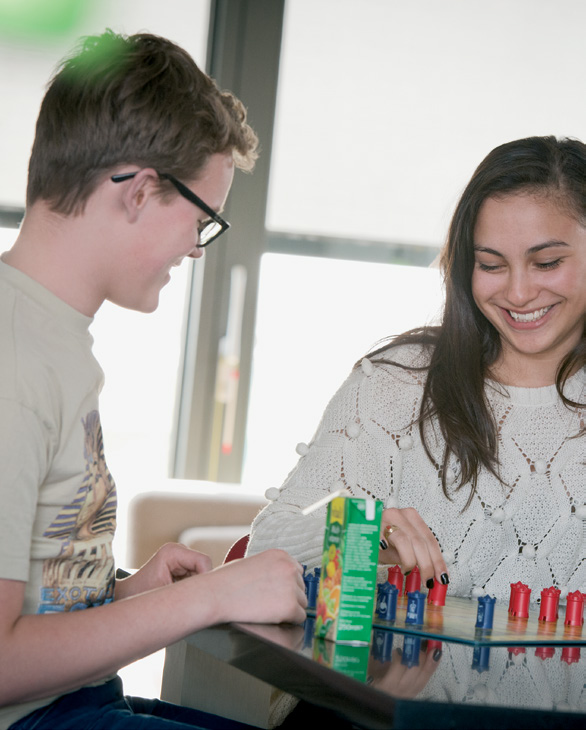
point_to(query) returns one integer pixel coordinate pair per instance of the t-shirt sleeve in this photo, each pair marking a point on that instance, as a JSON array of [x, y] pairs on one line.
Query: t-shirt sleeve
[[23, 456]]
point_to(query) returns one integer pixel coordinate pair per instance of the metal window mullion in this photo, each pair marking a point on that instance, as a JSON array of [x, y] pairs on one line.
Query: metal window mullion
[[243, 56], [385, 252]]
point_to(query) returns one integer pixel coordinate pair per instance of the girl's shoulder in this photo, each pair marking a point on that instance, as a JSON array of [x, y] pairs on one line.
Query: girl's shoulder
[[414, 357]]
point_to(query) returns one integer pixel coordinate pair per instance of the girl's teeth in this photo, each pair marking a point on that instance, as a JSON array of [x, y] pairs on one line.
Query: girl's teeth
[[531, 316]]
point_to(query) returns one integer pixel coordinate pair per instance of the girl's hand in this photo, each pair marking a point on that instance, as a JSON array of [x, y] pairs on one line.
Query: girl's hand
[[402, 681], [410, 543]]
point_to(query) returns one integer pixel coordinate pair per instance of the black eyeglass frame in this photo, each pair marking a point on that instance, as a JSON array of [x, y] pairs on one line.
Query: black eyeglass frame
[[189, 195]]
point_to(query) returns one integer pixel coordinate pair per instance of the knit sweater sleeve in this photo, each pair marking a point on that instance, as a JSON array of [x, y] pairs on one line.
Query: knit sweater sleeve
[[281, 524], [354, 447]]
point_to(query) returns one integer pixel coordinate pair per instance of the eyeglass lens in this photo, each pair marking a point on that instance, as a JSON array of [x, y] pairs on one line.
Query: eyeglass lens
[[210, 231]]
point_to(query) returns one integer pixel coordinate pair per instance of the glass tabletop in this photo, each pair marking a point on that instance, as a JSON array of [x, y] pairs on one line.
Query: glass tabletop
[[369, 684]]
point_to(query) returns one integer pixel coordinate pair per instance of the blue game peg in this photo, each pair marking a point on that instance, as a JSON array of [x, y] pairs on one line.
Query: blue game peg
[[308, 631], [382, 645], [386, 601], [415, 608], [481, 657], [485, 615], [411, 651], [311, 581]]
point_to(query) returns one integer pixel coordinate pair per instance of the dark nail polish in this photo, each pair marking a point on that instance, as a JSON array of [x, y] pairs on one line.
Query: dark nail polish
[[406, 573], [383, 544], [437, 655], [445, 578], [429, 584]]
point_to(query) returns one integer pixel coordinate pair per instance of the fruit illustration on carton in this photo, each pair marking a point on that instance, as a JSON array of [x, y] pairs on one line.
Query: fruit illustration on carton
[[348, 576]]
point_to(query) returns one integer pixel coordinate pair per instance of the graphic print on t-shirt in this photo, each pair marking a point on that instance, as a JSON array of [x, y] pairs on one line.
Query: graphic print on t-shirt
[[83, 573]]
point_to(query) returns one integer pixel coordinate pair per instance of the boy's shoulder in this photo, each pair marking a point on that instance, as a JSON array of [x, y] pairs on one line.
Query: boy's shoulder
[[43, 340]]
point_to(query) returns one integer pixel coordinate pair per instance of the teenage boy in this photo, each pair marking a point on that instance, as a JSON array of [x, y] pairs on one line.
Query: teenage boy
[[132, 162]]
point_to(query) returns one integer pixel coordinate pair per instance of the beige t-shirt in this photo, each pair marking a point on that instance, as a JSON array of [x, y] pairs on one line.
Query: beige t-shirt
[[57, 498]]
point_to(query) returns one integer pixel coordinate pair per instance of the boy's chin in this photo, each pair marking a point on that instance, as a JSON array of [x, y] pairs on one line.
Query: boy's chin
[[145, 305]]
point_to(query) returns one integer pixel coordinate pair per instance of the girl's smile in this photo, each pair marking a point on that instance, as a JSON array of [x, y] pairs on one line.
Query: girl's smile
[[529, 282]]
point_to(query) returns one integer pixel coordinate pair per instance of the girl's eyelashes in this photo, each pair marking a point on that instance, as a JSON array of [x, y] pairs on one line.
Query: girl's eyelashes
[[541, 265], [488, 267], [545, 265]]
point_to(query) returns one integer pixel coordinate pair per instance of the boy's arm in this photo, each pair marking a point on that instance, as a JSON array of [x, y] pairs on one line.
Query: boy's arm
[[50, 654], [170, 563]]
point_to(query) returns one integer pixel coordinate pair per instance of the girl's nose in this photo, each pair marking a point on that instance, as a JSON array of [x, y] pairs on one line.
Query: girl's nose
[[521, 289]]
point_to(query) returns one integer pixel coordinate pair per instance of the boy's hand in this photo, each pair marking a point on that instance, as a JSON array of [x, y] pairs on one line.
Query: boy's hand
[[170, 563], [265, 588]]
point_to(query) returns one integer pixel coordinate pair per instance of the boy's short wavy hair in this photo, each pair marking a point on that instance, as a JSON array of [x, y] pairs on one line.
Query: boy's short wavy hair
[[130, 100]]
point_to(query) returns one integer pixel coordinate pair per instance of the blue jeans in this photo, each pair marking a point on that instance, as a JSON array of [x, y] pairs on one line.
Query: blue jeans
[[106, 708]]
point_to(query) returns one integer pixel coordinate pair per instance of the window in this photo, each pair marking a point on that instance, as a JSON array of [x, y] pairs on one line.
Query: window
[[383, 110], [317, 317]]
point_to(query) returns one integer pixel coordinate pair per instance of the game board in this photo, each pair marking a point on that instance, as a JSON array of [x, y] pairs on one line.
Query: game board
[[456, 622]]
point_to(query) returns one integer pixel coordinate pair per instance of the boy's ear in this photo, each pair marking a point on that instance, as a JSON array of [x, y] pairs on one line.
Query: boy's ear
[[137, 192]]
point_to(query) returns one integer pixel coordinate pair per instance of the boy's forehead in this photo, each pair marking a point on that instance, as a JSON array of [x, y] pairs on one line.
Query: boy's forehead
[[214, 182]]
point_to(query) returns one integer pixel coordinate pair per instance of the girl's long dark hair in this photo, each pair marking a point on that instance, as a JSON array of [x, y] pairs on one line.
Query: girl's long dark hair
[[466, 344]]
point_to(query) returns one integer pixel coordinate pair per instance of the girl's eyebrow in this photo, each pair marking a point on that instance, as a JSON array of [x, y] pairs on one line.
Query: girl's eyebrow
[[547, 244], [485, 249], [534, 249]]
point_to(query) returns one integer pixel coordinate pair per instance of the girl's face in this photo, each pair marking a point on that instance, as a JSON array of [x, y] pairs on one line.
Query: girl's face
[[529, 281]]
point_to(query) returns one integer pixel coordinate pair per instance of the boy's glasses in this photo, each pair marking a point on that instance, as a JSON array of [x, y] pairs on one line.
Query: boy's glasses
[[209, 230]]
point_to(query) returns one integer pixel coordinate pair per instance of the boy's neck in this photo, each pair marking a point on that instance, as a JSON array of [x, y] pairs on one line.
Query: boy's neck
[[58, 252]]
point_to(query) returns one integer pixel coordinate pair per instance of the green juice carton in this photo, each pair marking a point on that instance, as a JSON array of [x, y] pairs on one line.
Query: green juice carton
[[351, 660], [345, 602]]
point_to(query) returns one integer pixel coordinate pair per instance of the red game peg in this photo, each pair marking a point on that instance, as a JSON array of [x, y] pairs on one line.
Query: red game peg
[[396, 577], [437, 595], [514, 587], [574, 609], [413, 581], [545, 652], [550, 598], [516, 650], [519, 601], [570, 654]]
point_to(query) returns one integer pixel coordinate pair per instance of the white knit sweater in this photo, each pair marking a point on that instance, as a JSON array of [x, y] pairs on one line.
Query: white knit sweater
[[533, 530]]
